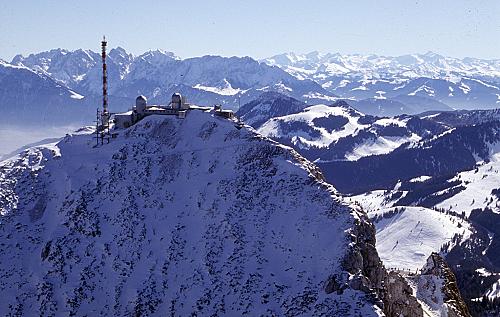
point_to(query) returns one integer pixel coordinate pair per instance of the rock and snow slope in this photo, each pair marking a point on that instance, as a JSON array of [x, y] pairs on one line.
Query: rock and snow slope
[[437, 290], [179, 216], [407, 236]]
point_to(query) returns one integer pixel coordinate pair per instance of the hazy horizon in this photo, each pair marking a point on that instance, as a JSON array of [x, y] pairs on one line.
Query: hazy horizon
[[258, 29], [14, 137]]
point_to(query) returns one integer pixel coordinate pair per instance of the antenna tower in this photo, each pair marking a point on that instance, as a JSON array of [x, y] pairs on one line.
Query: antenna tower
[[104, 78], [103, 124]]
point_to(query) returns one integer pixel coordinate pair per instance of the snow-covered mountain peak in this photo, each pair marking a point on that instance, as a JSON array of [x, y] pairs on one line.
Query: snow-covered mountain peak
[[120, 55], [432, 55], [182, 216], [119, 50], [158, 55]]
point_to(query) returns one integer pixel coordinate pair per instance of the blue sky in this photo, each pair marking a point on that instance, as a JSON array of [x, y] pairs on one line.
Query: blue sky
[[255, 28]]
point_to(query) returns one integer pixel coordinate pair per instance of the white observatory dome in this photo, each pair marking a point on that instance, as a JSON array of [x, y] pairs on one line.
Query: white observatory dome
[[141, 103]]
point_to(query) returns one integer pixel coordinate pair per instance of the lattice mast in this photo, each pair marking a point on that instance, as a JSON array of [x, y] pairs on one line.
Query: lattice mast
[[103, 117], [105, 112]]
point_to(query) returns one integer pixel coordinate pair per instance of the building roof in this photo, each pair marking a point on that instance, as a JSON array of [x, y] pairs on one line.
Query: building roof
[[199, 107], [123, 114], [157, 108]]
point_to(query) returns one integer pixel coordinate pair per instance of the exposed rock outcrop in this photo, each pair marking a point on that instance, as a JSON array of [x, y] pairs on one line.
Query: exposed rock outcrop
[[436, 286], [390, 290]]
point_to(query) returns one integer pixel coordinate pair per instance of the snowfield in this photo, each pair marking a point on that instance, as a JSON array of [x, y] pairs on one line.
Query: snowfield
[[381, 145], [479, 185], [406, 238]]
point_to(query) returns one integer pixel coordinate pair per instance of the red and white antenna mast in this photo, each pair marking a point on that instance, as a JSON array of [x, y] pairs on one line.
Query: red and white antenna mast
[[103, 118], [105, 112]]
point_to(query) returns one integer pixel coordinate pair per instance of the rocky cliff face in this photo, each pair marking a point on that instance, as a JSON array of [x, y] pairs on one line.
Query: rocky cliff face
[[183, 217], [389, 289], [436, 287]]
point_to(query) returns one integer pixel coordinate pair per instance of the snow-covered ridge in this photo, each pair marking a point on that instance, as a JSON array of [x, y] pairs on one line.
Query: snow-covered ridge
[[340, 132], [187, 216], [324, 137], [479, 188]]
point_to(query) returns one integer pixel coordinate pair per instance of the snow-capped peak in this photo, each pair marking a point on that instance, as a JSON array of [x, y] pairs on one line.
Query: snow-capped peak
[[179, 215]]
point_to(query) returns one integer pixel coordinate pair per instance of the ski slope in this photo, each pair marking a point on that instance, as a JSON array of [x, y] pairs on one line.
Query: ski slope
[[479, 184], [406, 239]]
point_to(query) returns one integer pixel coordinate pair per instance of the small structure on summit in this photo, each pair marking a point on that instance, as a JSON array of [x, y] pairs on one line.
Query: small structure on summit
[[177, 106], [141, 103], [179, 102], [229, 114]]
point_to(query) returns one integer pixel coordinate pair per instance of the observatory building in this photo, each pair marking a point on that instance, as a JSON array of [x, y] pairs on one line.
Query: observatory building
[[177, 107]]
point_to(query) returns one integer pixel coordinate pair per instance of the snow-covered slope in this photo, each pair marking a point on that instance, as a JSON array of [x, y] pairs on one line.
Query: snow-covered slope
[[481, 188], [185, 216], [407, 236], [267, 106], [339, 132]]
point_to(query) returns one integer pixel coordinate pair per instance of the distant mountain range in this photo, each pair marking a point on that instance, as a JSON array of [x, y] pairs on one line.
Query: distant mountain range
[[61, 86], [75, 77], [402, 84]]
